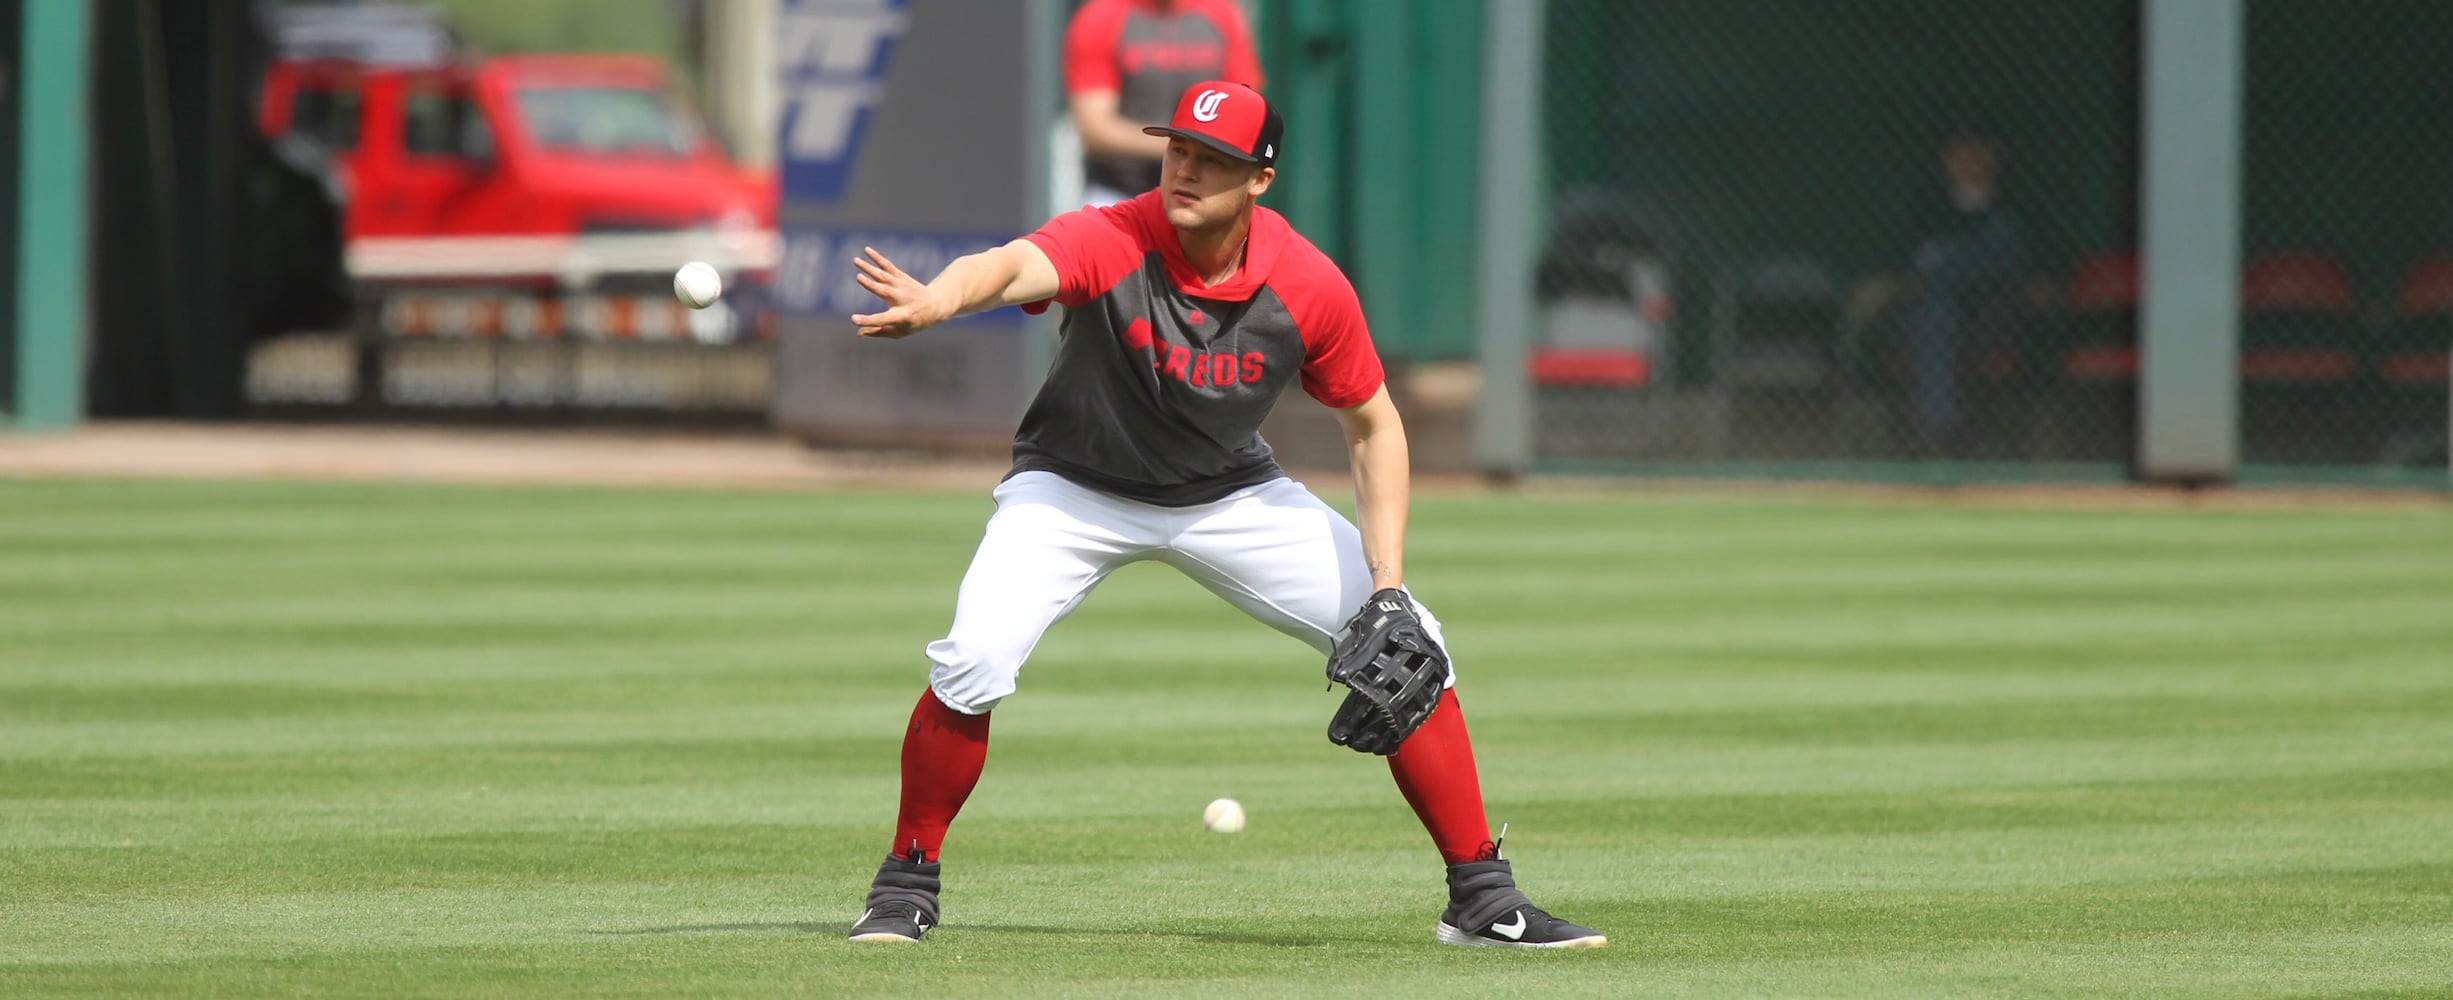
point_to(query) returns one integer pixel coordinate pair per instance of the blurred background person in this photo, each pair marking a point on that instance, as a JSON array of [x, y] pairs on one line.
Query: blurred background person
[[1126, 62], [1960, 295]]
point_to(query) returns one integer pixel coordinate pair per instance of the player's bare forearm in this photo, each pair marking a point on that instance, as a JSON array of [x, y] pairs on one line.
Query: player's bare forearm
[[1106, 132], [1383, 484], [1014, 273], [1000, 276]]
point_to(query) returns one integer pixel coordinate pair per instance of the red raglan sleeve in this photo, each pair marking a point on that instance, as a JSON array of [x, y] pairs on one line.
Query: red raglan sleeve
[[1090, 47], [1243, 62], [1092, 248], [1341, 368]]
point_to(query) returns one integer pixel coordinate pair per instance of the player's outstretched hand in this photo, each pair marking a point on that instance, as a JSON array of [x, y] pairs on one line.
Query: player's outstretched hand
[[908, 306]]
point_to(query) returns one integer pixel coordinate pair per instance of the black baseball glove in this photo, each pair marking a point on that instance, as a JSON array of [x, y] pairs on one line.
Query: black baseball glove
[[1395, 672]]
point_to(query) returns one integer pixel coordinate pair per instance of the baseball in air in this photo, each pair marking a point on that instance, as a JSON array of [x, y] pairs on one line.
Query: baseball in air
[[1223, 816], [697, 285]]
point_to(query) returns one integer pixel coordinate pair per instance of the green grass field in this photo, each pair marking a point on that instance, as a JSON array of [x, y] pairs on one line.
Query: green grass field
[[325, 740]]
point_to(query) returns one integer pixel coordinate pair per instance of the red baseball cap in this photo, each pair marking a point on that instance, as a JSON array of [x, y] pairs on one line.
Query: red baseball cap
[[1229, 117]]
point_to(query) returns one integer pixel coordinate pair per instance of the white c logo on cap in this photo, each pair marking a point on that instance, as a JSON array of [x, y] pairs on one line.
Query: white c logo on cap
[[1205, 107]]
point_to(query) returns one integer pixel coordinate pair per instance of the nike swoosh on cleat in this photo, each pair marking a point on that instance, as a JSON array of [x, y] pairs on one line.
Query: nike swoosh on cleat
[[1516, 933]]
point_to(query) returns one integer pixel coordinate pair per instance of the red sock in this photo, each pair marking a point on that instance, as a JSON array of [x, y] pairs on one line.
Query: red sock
[[1435, 769], [943, 753]]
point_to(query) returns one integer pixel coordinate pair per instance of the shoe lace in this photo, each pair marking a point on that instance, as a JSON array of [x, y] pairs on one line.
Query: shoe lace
[[1489, 851]]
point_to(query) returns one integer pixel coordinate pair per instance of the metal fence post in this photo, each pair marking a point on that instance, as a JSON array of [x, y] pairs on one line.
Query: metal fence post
[[1510, 202], [51, 218], [2189, 227]]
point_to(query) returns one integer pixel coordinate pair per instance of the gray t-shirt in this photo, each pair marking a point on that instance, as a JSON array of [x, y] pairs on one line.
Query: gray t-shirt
[[1160, 384]]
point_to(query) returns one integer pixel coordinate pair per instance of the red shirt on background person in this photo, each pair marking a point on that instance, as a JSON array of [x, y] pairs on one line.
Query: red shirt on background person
[[1126, 62]]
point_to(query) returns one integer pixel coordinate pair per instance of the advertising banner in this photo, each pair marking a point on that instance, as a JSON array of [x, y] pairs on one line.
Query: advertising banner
[[918, 127]]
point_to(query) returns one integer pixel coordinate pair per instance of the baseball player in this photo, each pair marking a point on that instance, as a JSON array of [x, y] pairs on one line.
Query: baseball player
[[1188, 310]]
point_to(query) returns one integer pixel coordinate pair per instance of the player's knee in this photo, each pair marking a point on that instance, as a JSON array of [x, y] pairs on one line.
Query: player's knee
[[967, 679], [1430, 625]]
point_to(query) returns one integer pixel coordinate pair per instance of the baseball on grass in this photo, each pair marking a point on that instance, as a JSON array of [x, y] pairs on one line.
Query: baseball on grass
[[1223, 816], [697, 285]]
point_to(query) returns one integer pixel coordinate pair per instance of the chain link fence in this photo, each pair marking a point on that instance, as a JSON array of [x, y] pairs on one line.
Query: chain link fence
[[1869, 233], [1899, 238], [2347, 240]]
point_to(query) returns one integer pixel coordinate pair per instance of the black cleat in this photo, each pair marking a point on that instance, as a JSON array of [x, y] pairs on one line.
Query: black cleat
[[902, 904], [1486, 910]]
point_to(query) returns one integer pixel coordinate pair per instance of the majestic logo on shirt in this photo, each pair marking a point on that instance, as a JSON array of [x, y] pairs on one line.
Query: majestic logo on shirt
[[1203, 57], [1195, 318], [1205, 107]]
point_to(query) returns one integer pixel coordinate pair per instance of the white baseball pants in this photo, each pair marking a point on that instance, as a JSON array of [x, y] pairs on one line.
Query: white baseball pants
[[1274, 551]]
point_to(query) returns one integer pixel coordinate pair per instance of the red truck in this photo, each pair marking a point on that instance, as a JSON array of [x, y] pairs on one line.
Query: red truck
[[531, 195], [534, 145]]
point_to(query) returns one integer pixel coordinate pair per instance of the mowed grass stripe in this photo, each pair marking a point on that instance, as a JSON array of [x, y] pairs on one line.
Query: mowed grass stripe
[[376, 740], [1889, 840]]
